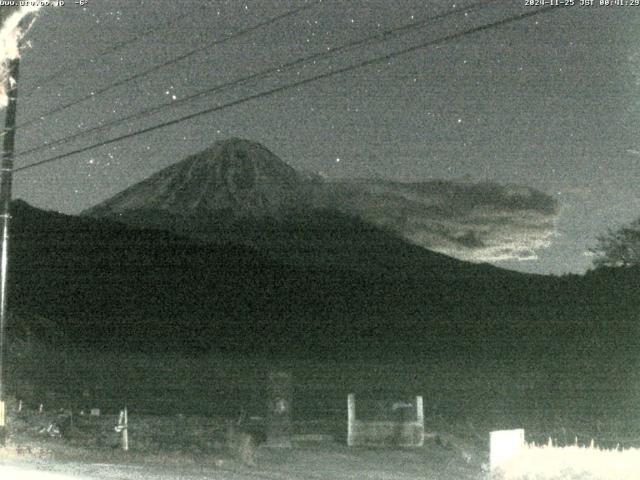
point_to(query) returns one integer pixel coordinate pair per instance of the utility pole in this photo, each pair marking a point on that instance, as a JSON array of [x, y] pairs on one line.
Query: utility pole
[[6, 180]]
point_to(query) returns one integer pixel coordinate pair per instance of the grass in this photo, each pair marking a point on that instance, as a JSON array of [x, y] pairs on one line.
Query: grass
[[159, 440]]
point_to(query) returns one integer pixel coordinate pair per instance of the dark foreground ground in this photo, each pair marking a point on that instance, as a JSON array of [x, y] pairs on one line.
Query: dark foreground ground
[[180, 408], [317, 462], [89, 450]]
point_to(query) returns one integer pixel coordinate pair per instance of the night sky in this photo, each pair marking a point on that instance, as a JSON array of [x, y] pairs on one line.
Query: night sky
[[548, 102]]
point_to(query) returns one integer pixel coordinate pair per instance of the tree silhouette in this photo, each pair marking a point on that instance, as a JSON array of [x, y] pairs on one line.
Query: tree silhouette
[[618, 248]]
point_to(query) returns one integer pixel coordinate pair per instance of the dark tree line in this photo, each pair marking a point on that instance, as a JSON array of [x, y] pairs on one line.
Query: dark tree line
[[619, 247]]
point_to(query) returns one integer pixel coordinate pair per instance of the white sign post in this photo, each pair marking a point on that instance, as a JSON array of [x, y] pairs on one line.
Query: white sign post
[[504, 445]]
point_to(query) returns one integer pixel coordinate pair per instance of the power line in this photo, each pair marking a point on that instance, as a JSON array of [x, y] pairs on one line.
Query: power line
[[113, 48], [167, 63], [295, 84], [375, 38], [299, 83]]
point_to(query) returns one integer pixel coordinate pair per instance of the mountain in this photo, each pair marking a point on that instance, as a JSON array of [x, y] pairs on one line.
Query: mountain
[[233, 179], [238, 191]]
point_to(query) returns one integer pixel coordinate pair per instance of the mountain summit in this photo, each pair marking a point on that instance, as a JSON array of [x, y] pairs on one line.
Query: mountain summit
[[234, 179]]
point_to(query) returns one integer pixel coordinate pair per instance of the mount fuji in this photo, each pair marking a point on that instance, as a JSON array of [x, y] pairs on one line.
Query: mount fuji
[[237, 191]]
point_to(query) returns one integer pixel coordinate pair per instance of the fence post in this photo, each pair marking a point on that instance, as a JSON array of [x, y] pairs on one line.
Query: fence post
[[420, 419], [351, 418], [504, 445], [279, 409], [125, 432], [123, 427]]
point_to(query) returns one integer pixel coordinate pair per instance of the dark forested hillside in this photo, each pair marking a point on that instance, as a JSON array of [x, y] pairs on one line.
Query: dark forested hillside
[[107, 285]]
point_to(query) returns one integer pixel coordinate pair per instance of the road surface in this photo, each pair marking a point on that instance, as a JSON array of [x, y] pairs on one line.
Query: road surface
[[318, 462]]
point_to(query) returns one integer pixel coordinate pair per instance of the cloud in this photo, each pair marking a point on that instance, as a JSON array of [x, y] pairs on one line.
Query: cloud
[[481, 222]]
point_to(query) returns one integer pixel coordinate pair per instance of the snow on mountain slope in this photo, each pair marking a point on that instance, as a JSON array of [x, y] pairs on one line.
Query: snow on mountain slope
[[234, 175]]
